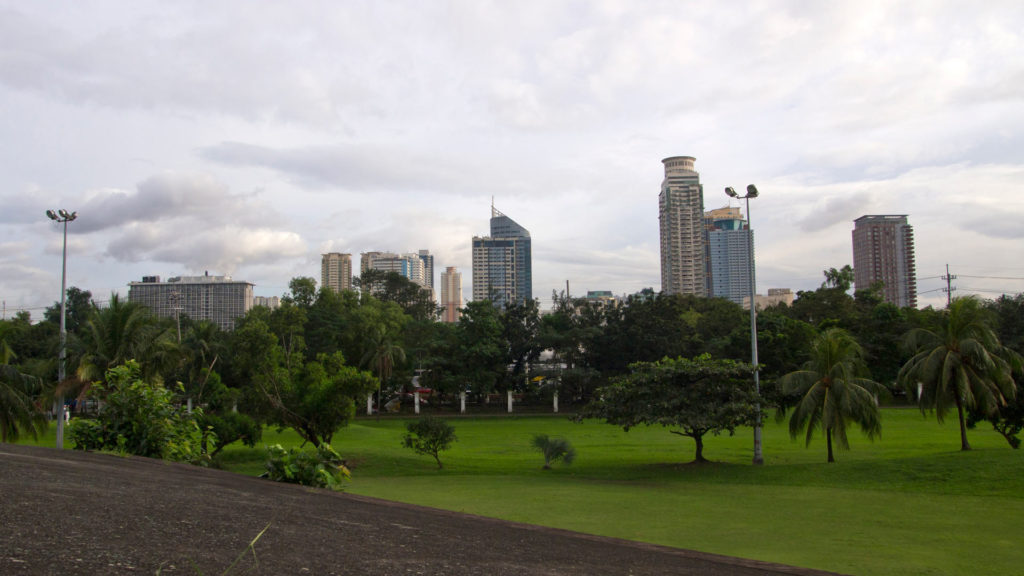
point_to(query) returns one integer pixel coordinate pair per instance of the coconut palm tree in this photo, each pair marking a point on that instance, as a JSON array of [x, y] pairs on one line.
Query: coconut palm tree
[[381, 354], [834, 391], [959, 362], [120, 332], [18, 410]]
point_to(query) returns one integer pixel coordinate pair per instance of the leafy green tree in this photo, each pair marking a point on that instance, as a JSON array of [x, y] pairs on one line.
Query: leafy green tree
[[520, 323], [694, 397], [19, 412], [429, 436], [480, 353], [314, 398], [554, 449], [302, 292], [960, 363], [415, 300], [78, 308], [834, 391], [227, 428]]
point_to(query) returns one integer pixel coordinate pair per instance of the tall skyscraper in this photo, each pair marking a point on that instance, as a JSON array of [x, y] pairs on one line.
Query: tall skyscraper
[[336, 271], [681, 216], [428, 269], [218, 299], [502, 263], [451, 294], [728, 254], [883, 251]]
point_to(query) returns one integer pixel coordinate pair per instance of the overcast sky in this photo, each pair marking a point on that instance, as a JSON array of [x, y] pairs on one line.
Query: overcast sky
[[247, 138]]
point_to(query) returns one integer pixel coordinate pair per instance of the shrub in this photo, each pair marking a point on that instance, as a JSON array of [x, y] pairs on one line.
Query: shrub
[[322, 469], [428, 436], [554, 449], [139, 418]]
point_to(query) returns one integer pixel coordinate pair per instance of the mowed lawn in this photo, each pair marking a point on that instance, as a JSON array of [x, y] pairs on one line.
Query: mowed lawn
[[909, 503]]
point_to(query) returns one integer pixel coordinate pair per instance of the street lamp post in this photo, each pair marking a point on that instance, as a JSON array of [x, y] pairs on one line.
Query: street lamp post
[[62, 217], [752, 193]]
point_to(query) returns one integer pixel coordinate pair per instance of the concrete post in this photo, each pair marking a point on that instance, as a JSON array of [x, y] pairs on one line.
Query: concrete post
[[462, 402], [369, 404], [509, 401], [556, 401], [416, 401]]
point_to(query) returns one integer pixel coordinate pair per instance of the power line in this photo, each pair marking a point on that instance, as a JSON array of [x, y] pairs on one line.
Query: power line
[[994, 277]]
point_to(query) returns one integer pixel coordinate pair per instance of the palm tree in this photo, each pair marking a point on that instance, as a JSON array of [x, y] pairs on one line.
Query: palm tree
[[381, 355], [554, 449], [834, 391], [120, 332], [959, 362], [18, 411]]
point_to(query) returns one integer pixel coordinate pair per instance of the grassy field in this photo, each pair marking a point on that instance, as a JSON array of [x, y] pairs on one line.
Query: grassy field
[[911, 503]]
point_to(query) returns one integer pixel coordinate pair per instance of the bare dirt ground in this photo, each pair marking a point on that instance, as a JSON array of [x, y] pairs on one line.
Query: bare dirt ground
[[71, 512]]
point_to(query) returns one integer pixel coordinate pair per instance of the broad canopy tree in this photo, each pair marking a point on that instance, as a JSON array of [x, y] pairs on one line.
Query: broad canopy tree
[[693, 397]]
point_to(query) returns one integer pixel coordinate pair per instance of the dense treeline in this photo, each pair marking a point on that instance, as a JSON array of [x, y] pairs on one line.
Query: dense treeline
[[310, 364]]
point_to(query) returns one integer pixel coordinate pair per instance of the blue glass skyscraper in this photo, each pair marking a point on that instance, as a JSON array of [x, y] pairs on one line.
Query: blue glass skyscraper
[[502, 262]]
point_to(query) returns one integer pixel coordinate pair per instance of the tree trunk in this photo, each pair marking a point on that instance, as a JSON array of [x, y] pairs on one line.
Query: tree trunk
[[699, 439], [964, 446], [828, 439]]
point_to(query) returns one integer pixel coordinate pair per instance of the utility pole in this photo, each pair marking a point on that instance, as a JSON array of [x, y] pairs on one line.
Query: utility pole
[[949, 287]]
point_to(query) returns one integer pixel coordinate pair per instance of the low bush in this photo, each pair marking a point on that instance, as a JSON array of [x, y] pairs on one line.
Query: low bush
[[322, 469]]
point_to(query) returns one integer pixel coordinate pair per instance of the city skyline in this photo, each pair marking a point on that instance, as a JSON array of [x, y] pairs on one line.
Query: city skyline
[[247, 140]]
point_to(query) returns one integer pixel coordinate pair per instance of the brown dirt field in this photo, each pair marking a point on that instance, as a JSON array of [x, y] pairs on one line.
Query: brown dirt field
[[71, 512]]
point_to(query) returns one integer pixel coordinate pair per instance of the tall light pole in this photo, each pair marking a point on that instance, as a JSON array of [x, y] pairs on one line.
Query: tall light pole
[[752, 193], [62, 217]]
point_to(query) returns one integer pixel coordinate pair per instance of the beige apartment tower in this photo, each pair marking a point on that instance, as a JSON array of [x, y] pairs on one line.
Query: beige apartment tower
[[451, 294], [681, 217], [336, 271], [883, 252]]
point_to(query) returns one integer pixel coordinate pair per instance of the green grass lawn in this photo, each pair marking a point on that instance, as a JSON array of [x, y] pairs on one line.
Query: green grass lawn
[[910, 503]]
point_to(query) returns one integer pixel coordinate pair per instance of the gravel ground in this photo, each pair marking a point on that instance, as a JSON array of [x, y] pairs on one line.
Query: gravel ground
[[71, 512]]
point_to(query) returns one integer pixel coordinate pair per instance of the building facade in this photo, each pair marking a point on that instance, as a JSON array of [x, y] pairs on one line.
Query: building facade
[[336, 271], [218, 299], [681, 219], [503, 263], [411, 266], [451, 295], [728, 247], [883, 252], [428, 269]]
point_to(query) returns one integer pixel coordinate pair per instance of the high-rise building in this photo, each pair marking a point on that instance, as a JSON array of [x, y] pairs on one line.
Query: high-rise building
[[218, 299], [336, 271], [727, 254], [428, 269], [681, 217], [883, 251], [451, 294], [410, 266], [502, 263]]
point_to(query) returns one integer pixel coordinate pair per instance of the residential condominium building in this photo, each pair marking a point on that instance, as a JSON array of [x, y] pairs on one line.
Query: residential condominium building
[[336, 271], [428, 269], [681, 218], [883, 252], [728, 253], [451, 295], [218, 299], [410, 266], [502, 263]]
